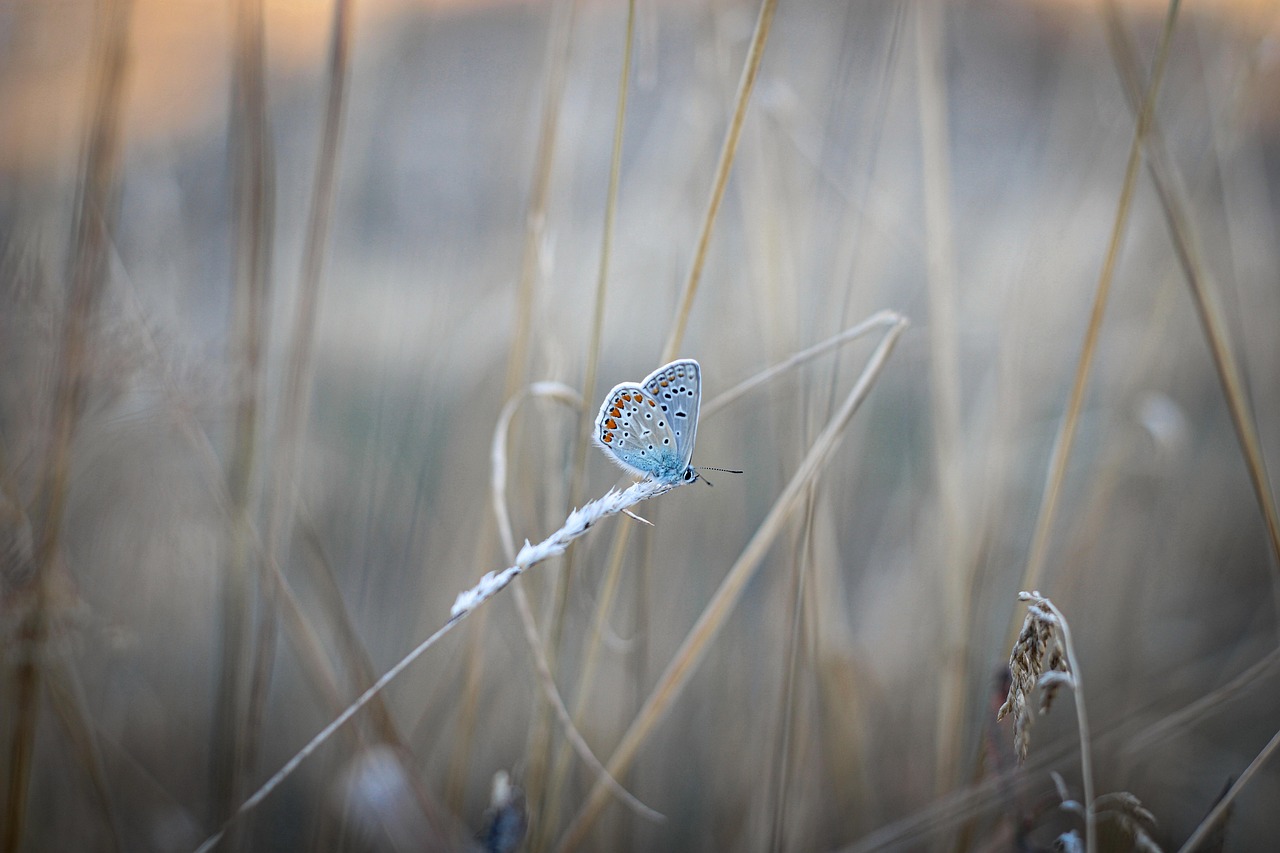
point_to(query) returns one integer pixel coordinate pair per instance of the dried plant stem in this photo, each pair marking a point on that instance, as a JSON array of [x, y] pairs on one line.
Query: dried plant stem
[[1211, 820], [782, 760], [577, 479], [535, 219], [1082, 723], [721, 180], [296, 396], [560, 40], [572, 736], [1174, 204], [96, 202], [575, 526], [324, 734], [1065, 438], [606, 596], [66, 695], [880, 320], [542, 667], [606, 245], [299, 628], [297, 390], [968, 803], [954, 559], [556, 391], [713, 617], [1173, 724], [231, 742]]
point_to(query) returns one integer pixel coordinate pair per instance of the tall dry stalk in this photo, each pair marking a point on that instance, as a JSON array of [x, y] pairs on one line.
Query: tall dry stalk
[[1175, 207], [577, 474], [92, 232], [954, 559], [232, 739], [726, 597], [559, 41]]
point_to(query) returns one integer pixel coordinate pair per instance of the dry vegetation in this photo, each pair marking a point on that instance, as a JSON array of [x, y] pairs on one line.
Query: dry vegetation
[[305, 311]]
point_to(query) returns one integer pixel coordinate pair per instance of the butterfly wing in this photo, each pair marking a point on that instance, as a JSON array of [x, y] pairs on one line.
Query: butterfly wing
[[648, 428], [677, 387]]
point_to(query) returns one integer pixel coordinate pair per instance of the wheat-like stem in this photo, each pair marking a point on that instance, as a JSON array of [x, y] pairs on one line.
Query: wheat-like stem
[[576, 525], [713, 617], [542, 665]]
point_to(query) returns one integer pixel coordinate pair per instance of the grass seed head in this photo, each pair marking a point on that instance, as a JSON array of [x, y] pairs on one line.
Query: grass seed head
[[1037, 660]]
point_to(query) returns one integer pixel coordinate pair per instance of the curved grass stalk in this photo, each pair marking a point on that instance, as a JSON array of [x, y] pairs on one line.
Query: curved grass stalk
[[726, 597], [542, 666], [576, 525]]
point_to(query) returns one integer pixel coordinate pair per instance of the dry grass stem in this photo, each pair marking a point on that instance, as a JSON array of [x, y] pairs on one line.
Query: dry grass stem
[[549, 800], [542, 668], [556, 391], [575, 526], [91, 235], [750, 69], [1044, 658], [1175, 205], [881, 320], [276, 288], [726, 597], [1134, 823], [559, 39], [556, 702], [944, 387], [1065, 438], [1220, 810]]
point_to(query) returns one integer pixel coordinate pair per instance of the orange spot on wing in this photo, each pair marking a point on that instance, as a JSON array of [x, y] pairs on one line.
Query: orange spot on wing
[[607, 438], [611, 423]]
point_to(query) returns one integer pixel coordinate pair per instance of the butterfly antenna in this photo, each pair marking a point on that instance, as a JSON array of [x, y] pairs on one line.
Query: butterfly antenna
[[709, 468]]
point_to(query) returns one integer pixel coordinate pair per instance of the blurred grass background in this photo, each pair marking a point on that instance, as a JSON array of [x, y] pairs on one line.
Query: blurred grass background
[[226, 508]]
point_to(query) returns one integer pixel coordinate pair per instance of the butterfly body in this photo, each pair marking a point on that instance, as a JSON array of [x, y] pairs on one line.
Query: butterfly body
[[648, 428]]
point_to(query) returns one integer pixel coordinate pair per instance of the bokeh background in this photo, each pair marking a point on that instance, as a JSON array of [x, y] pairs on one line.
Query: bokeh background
[[225, 507]]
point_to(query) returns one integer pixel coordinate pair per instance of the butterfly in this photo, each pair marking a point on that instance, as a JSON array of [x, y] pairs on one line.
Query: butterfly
[[648, 428]]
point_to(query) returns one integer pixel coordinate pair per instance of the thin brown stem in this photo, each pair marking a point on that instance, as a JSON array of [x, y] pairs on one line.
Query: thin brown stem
[[1065, 438], [1174, 205], [712, 619], [577, 478], [91, 237], [750, 69], [231, 745]]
